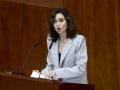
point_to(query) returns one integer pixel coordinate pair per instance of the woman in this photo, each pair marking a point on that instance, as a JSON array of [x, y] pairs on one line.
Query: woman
[[67, 53]]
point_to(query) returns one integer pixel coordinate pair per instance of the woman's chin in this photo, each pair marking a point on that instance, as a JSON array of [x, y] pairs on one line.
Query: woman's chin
[[59, 32]]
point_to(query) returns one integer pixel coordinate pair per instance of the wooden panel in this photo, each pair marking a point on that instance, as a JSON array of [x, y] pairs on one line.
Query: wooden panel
[[20, 26], [43, 3], [11, 82], [11, 33], [117, 15]]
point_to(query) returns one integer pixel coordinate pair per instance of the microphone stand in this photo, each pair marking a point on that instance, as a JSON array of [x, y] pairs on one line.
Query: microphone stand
[[36, 45], [25, 60]]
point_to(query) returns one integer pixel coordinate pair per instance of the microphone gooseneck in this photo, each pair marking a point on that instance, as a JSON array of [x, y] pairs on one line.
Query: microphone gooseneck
[[36, 45]]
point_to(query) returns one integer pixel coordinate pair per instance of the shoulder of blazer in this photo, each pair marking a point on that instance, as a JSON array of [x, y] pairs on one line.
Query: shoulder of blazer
[[79, 38], [79, 41]]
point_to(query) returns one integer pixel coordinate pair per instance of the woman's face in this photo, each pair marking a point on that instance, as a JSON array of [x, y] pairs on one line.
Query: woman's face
[[60, 24]]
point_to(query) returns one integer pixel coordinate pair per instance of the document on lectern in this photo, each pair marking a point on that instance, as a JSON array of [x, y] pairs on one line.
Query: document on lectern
[[37, 74]]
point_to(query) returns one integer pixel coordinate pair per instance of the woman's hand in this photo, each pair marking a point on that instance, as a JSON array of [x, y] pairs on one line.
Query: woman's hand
[[50, 74]]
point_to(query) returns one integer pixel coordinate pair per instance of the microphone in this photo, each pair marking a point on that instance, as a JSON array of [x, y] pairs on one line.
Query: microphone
[[36, 45], [51, 65]]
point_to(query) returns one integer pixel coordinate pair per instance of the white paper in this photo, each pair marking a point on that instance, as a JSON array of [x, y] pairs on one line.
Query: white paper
[[36, 74]]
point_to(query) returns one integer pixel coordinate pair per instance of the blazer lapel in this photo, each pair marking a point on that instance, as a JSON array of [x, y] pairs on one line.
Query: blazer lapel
[[55, 53], [65, 50]]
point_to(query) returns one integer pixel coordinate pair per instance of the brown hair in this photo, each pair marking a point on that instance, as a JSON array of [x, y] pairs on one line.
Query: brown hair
[[71, 30]]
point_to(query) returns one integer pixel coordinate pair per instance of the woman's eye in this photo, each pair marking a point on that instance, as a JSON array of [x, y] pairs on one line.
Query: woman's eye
[[61, 20], [55, 21]]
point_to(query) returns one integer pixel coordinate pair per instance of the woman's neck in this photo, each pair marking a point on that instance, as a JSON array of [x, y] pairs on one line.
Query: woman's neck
[[63, 37], [62, 42]]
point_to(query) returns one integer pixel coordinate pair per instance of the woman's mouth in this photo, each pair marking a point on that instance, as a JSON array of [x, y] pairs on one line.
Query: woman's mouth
[[58, 29]]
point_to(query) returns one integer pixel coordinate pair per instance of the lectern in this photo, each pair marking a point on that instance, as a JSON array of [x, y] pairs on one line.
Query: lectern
[[17, 82]]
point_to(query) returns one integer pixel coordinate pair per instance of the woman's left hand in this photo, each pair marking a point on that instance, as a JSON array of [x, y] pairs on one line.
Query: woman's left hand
[[50, 74]]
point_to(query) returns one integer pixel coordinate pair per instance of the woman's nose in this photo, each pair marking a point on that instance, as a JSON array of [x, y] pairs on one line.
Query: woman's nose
[[57, 24]]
